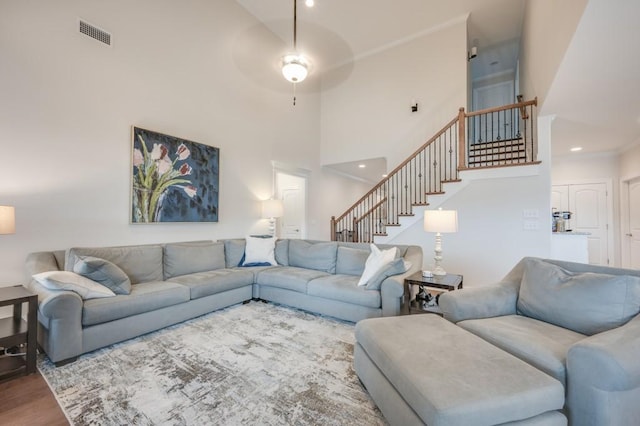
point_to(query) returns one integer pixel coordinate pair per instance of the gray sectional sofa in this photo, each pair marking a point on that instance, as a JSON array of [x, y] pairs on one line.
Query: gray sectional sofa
[[174, 282], [574, 324]]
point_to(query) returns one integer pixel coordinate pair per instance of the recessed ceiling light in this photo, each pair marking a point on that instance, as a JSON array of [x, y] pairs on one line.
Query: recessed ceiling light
[[576, 149], [309, 3], [362, 166]]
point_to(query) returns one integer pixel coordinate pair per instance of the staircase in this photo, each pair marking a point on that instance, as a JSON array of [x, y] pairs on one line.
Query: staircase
[[495, 137]]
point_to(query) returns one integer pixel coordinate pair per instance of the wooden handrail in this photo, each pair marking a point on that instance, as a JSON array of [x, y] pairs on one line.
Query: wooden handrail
[[439, 160], [404, 163], [519, 105], [370, 211]]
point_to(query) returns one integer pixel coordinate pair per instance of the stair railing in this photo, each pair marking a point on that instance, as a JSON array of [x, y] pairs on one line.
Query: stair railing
[[459, 145]]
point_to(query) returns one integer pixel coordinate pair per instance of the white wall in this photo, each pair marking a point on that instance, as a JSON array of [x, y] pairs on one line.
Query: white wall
[[180, 68], [491, 237], [366, 104], [629, 163], [548, 27]]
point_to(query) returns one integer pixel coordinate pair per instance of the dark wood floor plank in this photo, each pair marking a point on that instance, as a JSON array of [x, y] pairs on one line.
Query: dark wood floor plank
[[29, 401]]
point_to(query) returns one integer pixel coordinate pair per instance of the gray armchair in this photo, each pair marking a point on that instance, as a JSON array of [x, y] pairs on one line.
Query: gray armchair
[[578, 323]]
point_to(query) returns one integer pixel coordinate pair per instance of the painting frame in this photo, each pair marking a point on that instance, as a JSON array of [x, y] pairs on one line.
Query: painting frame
[[173, 180]]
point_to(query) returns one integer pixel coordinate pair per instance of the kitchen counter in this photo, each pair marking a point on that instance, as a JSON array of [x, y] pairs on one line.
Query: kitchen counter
[[570, 246]]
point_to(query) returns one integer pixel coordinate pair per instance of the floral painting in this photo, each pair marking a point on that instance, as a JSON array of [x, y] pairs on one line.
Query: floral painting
[[174, 180]]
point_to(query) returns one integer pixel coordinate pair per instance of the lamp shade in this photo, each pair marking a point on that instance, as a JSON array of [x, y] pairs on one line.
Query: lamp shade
[[272, 208], [7, 220], [295, 68], [441, 221]]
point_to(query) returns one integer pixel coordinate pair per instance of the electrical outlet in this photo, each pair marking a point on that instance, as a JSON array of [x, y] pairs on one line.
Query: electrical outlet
[[531, 225], [531, 213]]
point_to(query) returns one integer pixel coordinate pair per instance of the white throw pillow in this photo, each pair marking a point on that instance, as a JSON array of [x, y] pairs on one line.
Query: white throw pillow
[[260, 250], [67, 280], [377, 260]]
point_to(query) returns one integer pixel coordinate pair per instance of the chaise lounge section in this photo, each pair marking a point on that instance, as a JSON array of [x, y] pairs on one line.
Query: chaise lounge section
[[173, 282]]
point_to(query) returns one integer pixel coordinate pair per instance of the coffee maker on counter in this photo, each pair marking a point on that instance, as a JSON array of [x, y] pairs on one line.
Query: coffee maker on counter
[[561, 221]]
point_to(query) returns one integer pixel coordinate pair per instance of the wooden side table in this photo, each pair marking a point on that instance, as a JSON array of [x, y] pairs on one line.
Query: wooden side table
[[15, 331], [429, 288]]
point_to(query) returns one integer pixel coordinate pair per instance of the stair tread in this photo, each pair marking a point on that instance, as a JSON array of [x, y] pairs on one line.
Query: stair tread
[[482, 145], [434, 193], [406, 214], [419, 204], [452, 181]]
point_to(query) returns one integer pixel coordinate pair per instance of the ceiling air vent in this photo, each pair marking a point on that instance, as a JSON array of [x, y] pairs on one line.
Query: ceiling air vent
[[95, 33]]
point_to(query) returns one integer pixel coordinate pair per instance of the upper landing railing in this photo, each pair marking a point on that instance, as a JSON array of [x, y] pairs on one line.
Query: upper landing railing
[[495, 137]]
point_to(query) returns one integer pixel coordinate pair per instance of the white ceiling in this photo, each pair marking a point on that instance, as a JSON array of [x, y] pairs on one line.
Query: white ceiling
[[335, 32], [596, 91]]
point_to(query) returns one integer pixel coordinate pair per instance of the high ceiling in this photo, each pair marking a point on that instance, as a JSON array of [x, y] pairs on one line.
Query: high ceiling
[[595, 92], [334, 32]]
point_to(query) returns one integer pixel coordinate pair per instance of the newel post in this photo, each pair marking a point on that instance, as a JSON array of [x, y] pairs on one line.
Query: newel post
[[462, 139], [333, 228]]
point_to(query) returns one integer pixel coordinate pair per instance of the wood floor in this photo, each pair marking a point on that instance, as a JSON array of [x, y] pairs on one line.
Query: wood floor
[[28, 401]]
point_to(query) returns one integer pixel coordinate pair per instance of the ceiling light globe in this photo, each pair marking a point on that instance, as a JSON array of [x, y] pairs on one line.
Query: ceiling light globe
[[294, 68], [309, 3]]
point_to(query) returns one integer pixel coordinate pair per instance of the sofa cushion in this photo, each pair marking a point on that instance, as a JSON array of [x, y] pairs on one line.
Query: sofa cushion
[[320, 256], [207, 283], [67, 280], [144, 297], [141, 263], [351, 260], [190, 257], [587, 303], [288, 277], [345, 289], [103, 272], [541, 344], [234, 252], [282, 252]]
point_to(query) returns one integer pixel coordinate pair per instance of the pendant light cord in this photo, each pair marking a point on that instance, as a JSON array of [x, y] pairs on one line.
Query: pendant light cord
[[295, 26]]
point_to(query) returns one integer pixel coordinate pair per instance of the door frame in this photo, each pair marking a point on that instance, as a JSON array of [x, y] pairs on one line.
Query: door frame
[[611, 252], [298, 172], [624, 220]]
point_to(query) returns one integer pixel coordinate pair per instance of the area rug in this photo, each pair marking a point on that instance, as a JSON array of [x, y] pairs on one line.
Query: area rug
[[253, 364]]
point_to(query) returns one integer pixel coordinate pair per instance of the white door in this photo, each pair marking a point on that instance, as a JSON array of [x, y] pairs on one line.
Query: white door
[[291, 189], [634, 224], [588, 203]]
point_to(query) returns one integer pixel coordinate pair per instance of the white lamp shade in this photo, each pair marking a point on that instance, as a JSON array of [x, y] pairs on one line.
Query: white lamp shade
[[7, 220], [441, 221], [295, 68], [272, 208]]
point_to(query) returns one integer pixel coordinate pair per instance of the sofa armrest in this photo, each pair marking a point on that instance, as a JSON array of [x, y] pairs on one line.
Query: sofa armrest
[[392, 288], [59, 312], [480, 302], [603, 377]]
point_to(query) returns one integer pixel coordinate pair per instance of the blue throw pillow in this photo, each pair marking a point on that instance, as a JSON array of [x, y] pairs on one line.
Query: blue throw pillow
[[103, 272], [397, 266]]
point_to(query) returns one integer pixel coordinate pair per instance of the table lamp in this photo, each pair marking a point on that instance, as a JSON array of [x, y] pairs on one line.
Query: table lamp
[[272, 209], [440, 221], [7, 220]]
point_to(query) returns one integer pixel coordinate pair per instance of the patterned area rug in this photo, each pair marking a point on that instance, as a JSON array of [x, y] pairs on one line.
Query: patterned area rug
[[254, 364]]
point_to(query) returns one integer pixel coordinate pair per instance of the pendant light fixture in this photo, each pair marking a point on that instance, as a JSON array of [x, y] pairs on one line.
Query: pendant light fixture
[[295, 67]]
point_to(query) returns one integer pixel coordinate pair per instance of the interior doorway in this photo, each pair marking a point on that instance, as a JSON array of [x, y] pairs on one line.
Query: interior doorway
[[630, 212], [291, 188]]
